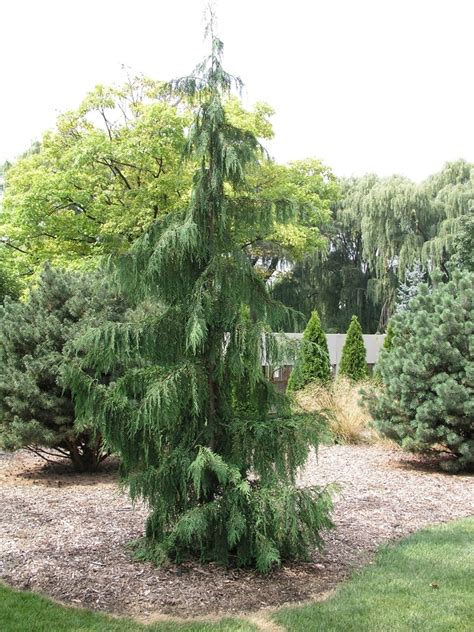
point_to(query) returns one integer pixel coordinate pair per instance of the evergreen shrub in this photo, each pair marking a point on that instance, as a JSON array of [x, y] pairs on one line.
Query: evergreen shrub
[[313, 362], [353, 363], [427, 401], [36, 410]]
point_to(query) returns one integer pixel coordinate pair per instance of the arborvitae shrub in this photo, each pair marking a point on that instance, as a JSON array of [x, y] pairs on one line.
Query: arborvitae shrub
[[387, 345], [389, 335], [428, 397], [204, 438], [353, 359], [313, 362], [36, 411]]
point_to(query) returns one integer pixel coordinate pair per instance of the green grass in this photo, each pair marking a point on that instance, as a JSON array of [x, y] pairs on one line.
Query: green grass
[[424, 584], [26, 612]]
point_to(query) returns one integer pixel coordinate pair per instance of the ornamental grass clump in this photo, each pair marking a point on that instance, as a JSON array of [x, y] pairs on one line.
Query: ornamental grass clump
[[348, 419], [204, 438]]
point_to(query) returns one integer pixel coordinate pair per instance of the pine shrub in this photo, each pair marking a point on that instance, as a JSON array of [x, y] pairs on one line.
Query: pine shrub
[[428, 397], [204, 438], [313, 362], [36, 411], [353, 359]]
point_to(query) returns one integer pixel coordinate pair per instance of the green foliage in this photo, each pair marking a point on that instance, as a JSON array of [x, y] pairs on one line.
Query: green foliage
[[428, 397], [220, 481], [99, 179], [313, 362], [35, 410], [338, 281], [422, 583], [9, 282], [353, 359], [409, 288]]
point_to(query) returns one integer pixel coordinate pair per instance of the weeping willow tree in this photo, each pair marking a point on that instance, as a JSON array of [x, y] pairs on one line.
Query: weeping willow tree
[[452, 194], [380, 230], [204, 438], [338, 281]]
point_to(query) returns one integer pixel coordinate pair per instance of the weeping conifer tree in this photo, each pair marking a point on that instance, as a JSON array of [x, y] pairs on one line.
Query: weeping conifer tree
[[204, 438]]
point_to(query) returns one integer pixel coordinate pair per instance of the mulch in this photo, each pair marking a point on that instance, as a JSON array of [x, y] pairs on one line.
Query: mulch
[[66, 535]]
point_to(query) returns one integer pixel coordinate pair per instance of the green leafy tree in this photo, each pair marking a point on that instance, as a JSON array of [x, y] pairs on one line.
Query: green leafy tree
[[428, 398], [97, 181], [220, 482], [113, 166], [36, 412], [313, 362], [353, 359]]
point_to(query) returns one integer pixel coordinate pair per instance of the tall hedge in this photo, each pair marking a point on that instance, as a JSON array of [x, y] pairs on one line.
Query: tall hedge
[[313, 362], [428, 396], [353, 360]]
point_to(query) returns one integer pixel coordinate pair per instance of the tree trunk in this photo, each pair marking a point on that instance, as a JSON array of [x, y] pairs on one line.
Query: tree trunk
[[85, 453]]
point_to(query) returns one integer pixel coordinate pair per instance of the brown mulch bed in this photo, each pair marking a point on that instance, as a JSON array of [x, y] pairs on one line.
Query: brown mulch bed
[[65, 535]]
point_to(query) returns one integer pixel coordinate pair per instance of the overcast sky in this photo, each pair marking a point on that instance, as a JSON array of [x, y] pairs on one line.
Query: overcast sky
[[381, 86]]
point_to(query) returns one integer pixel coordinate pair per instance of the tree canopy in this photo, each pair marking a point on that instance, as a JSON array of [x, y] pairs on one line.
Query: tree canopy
[[113, 166]]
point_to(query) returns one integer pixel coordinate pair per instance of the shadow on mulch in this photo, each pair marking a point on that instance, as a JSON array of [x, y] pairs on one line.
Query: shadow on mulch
[[33, 470], [429, 463]]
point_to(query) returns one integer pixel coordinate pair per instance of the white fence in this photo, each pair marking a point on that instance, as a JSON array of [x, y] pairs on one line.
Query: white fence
[[373, 343]]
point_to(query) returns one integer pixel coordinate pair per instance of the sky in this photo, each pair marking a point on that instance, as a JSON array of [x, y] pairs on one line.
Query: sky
[[383, 86]]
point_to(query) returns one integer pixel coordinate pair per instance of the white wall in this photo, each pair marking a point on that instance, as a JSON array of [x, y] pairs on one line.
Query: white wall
[[373, 343]]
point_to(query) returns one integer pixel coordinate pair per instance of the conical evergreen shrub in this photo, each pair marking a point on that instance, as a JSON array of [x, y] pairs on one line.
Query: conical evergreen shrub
[[204, 438], [353, 359], [386, 348], [313, 362]]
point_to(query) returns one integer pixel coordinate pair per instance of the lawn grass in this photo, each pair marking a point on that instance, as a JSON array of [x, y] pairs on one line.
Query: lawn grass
[[27, 612], [423, 584]]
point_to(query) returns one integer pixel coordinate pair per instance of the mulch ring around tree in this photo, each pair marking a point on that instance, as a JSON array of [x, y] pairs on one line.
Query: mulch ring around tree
[[66, 535]]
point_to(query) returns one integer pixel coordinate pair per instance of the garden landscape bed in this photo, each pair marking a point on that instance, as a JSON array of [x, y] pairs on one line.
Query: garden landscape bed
[[66, 535]]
